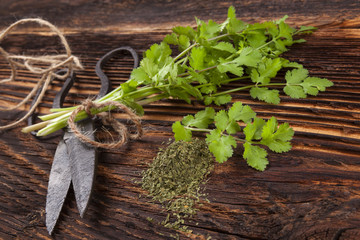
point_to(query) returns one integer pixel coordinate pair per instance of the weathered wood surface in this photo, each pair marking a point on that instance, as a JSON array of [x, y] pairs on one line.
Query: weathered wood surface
[[311, 192]]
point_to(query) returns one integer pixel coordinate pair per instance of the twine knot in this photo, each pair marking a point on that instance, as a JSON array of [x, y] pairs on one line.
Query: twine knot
[[45, 66], [107, 119]]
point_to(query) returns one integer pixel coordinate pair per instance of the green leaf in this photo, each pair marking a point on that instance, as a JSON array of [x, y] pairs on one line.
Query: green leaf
[[158, 53], [233, 127], [285, 31], [140, 76], [231, 67], [306, 29], [129, 86], [239, 112], [225, 46], [256, 39], [191, 90], [266, 70], [208, 30], [296, 76], [294, 91], [187, 31], [222, 99], [277, 138], [220, 146], [234, 25], [139, 110], [265, 94], [150, 68], [171, 39], [180, 93], [221, 120], [248, 57], [202, 119], [181, 133], [253, 130], [312, 85], [184, 42], [255, 156], [208, 89], [197, 58], [288, 64]]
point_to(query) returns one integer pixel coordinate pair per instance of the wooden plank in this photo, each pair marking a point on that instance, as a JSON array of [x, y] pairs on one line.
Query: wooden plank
[[311, 192]]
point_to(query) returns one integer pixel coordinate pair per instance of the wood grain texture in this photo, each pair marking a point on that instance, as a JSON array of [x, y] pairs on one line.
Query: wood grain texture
[[311, 192]]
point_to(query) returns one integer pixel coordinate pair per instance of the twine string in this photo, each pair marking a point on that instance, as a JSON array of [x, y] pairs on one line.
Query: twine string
[[107, 119], [32, 63]]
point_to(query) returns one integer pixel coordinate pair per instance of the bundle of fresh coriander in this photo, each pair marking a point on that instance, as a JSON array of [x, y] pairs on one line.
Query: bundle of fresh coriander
[[211, 56]]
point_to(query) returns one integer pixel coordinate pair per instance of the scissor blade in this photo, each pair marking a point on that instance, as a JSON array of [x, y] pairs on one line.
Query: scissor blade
[[59, 183], [83, 161]]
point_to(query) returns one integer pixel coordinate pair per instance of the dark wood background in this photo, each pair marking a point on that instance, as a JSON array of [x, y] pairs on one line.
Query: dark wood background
[[311, 192]]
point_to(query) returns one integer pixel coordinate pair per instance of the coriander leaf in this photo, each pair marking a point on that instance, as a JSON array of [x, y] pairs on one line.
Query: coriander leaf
[[208, 100], [253, 130], [184, 42], [140, 76], [180, 93], [129, 86], [296, 76], [181, 133], [225, 46], [197, 76], [248, 57], [294, 91], [220, 145], [221, 120], [208, 30], [197, 58], [256, 39], [233, 127], [191, 90], [234, 25], [266, 70], [265, 94], [158, 53], [255, 156], [202, 119], [208, 89], [222, 99], [285, 31], [231, 67], [277, 138], [187, 31], [150, 68], [305, 29], [288, 64], [171, 39], [239, 112], [312, 85]]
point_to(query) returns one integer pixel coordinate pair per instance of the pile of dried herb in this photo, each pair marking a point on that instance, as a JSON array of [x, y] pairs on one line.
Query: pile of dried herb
[[175, 179]]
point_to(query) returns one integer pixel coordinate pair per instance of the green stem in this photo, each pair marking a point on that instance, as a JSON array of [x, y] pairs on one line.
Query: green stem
[[152, 99], [185, 51], [247, 87], [209, 130]]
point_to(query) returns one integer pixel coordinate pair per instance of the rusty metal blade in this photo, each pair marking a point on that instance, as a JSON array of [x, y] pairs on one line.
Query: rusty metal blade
[[83, 160], [59, 183]]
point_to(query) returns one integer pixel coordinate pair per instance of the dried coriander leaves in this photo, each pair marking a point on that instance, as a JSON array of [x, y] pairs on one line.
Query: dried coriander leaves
[[175, 179]]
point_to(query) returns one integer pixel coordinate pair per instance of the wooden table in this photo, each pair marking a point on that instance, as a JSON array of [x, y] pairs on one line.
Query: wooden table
[[311, 192]]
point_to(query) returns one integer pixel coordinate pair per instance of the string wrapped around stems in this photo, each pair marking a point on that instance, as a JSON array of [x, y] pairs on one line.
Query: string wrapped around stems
[[31, 63]]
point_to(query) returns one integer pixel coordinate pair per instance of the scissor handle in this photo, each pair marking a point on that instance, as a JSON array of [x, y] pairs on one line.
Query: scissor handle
[[59, 98], [105, 82]]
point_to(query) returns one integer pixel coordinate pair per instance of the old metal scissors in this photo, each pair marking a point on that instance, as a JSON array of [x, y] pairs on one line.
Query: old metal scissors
[[75, 161]]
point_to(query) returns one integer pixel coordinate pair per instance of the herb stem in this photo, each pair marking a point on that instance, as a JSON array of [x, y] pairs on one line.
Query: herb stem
[[247, 87]]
